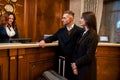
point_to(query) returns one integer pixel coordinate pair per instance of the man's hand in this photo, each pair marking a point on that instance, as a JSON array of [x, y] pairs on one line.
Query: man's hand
[[42, 43]]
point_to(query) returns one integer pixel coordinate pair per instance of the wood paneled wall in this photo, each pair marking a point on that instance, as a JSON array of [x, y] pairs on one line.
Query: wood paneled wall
[[38, 17], [19, 12], [43, 17], [108, 63]]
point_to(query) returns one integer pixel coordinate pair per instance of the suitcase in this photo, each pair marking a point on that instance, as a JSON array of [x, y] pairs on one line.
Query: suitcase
[[52, 75]]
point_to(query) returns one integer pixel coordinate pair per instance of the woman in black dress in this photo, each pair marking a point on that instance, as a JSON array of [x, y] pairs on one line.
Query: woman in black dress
[[84, 61]]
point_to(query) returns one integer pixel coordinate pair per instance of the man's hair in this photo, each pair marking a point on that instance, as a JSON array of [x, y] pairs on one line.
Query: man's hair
[[69, 12]]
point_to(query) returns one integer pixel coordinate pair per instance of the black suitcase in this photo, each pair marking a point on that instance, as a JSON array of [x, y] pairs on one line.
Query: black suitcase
[[52, 75]]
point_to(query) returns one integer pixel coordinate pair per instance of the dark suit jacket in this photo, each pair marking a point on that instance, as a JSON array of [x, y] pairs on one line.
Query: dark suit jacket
[[84, 56], [66, 42], [66, 46], [4, 38]]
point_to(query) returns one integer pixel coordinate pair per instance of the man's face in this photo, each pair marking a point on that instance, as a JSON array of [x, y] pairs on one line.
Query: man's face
[[67, 19]]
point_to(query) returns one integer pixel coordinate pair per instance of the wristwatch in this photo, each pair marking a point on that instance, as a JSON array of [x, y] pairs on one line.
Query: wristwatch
[[9, 8]]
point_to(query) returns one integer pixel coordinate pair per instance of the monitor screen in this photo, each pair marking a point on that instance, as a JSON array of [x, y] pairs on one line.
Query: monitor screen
[[20, 40], [103, 38]]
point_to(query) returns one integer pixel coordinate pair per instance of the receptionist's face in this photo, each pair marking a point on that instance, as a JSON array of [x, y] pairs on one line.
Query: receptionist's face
[[10, 19]]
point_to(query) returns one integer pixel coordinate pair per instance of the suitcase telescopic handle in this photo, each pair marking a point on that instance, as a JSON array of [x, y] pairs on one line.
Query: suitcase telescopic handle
[[63, 71], [61, 57]]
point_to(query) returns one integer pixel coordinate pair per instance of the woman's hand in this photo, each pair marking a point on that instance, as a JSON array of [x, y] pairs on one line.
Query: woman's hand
[[74, 68], [42, 43]]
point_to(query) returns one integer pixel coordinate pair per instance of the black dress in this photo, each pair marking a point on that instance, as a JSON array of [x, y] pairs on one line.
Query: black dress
[[84, 56]]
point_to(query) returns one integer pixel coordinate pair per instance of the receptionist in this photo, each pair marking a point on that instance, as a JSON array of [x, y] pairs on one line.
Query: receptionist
[[8, 27]]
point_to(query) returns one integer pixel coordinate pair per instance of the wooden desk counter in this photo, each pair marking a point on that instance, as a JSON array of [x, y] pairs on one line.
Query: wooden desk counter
[[23, 45], [30, 45], [108, 61], [109, 44], [27, 61]]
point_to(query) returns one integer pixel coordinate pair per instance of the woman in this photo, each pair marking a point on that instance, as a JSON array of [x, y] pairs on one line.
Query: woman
[[84, 63], [8, 28]]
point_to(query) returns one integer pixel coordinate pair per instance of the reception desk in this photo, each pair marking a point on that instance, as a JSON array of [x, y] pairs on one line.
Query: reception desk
[[27, 61], [108, 61]]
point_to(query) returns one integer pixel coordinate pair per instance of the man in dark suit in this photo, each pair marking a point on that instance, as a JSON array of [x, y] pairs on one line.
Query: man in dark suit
[[67, 37]]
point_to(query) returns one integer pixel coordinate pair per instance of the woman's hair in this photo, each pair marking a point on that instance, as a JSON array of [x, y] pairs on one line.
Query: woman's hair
[[5, 18], [90, 19]]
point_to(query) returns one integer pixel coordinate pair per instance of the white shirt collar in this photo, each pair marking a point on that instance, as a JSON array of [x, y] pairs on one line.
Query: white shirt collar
[[85, 31], [69, 28]]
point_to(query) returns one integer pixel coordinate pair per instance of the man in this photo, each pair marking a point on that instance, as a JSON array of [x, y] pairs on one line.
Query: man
[[67, 37]]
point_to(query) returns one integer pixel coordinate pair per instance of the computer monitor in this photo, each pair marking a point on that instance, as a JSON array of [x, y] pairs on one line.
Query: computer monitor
[[21, 40], [103, 38]]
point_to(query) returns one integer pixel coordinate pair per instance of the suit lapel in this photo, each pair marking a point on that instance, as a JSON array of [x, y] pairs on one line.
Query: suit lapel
[[73, 31], [69, 37]]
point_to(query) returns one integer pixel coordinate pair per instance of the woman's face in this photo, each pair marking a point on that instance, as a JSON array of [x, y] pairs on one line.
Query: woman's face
[[10, 19], [82, 22]]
